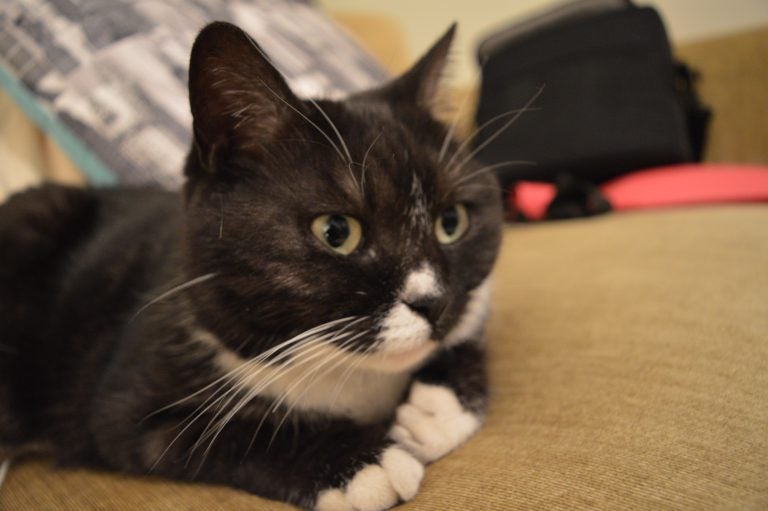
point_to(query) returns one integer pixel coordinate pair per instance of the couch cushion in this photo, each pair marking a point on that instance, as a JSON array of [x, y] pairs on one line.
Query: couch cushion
[[107, 78], [629, 370]]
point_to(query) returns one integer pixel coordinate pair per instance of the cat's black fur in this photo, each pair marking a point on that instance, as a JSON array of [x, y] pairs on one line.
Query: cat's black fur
[[89, 362]]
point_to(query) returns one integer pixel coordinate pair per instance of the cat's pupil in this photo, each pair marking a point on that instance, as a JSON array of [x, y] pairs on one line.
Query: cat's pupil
[[336, 231], [450, 221]]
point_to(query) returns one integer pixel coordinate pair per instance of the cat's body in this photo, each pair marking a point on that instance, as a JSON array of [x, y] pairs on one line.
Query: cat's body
[[212, 336]]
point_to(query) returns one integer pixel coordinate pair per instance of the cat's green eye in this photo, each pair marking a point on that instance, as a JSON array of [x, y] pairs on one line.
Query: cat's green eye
[[340, 233], [452, 223]]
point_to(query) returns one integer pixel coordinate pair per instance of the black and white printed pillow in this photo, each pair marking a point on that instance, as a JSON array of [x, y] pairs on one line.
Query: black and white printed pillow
[[107, 78]]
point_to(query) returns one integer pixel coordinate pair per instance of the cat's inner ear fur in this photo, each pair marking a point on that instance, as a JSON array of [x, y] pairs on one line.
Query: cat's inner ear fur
[[239, 100], [420, 84]]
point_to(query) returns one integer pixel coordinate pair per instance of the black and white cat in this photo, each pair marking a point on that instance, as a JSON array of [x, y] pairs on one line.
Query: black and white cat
[[304, 322]]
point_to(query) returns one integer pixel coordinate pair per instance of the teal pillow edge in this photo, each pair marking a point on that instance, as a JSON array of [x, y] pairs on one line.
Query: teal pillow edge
[[96, 171]]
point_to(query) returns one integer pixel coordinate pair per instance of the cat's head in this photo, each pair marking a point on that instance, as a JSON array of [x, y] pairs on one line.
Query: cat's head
[[360, 218]]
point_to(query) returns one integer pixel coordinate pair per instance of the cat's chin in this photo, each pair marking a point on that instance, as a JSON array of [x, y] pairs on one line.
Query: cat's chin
[[394, 361]]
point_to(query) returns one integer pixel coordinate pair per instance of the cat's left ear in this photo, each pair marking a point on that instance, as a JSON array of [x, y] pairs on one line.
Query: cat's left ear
[[419, 85], [239, 100]]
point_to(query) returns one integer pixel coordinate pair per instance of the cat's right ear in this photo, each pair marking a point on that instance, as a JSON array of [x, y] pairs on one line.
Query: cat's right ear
[[239, 101]]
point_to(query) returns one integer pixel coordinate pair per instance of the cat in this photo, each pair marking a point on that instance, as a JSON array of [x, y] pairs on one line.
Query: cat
[[303, 321]]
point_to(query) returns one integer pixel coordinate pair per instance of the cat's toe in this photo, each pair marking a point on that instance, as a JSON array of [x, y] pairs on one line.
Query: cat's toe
[[432, 422], [376, 487]]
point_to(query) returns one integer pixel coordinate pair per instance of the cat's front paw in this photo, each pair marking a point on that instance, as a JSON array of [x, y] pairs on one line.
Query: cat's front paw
[[432, 422], [376, 487]]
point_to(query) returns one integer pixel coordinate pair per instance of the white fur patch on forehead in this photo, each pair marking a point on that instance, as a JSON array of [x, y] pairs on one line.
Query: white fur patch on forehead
[[418, 212], [474, 316], [421, 283]]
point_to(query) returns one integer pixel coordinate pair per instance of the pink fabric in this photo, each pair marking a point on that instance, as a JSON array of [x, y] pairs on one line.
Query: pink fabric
[[674, 185]]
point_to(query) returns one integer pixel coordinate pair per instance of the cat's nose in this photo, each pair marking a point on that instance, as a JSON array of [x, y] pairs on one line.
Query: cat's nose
[[429, 307]]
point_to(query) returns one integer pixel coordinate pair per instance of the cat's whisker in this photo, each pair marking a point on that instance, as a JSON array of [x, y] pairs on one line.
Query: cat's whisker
[[243, 379], [452, 127], [334, 128], [365, 159], [303, 350], [346, 343], [293, 340], [310, 121], [468, 140], [526, 108], [489, 168], [491, 188], [272, 409], [173, 291], [341, 140], [341, 357], [349, 371], [322, 112], [227, 379], [301, 360]]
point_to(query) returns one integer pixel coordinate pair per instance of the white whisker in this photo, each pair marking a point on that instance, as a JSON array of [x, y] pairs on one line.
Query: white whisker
[[502, 129], [174, 290], [365, 159], [334, 128], [341, 357], [302, 359], [226, 379], [323, 133], [452, 128], [489, 168]]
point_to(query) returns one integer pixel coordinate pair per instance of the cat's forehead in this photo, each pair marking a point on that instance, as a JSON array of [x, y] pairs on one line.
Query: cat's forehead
[[384, 157]]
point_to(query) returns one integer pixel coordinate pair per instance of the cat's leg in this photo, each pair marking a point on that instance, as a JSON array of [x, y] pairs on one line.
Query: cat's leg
[[326, 464], [446, 403]]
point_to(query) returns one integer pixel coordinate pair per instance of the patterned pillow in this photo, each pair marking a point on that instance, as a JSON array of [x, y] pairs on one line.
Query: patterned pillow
[[107, 78]]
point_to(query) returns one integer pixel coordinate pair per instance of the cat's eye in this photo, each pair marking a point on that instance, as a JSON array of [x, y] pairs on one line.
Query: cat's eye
[[340, 233], [452, 223]]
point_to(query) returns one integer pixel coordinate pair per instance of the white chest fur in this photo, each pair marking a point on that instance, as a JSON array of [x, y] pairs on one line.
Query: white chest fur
[[314, 383]]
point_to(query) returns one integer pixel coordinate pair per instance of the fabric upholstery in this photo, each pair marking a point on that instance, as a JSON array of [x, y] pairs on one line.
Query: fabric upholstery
[[629, 370]]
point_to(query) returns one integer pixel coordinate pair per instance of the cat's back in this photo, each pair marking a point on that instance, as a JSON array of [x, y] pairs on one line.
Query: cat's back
[[73, 265], [39, 226], [60, 243]]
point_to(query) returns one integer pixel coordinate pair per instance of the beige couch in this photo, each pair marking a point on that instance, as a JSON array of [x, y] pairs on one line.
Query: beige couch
[[629, 359]]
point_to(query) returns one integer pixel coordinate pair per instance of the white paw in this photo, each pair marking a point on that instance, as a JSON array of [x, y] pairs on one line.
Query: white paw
[[432, 422], [376, 487]]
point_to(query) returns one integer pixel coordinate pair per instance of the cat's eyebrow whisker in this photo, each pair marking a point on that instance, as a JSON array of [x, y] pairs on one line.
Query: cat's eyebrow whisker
[[341, 140], [334, 128], [489, 168], [452, 127], [172, 291], [365, 159], [468, 140], [526, 108], [310, 121]]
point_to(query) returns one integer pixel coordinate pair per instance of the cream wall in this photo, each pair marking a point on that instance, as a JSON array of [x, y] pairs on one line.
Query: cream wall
[[424, 20]]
